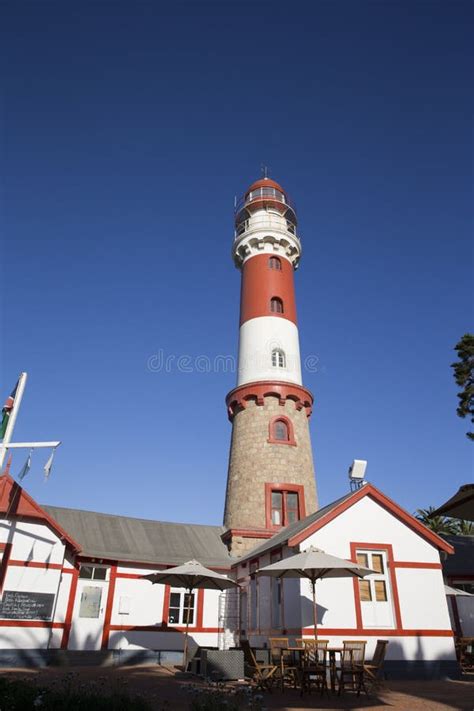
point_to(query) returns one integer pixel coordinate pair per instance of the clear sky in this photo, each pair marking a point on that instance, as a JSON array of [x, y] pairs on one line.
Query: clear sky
[[129, 127]]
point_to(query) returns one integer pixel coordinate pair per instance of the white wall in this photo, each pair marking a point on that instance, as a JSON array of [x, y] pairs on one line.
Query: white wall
[[423, 602], [146, 610], [211, 607], [146, 602], [34, 543], [139, 640]]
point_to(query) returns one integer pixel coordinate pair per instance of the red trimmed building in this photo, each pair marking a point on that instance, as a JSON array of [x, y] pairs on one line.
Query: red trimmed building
[[72, 581]]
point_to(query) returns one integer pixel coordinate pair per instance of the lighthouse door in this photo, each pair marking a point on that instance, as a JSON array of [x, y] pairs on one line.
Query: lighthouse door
[[89, 608]]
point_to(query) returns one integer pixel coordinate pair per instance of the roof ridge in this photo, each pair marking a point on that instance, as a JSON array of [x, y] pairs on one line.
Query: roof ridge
[[134, 518]]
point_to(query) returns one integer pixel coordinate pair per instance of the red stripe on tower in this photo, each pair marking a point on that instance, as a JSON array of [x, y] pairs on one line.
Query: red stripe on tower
[[267, 283]]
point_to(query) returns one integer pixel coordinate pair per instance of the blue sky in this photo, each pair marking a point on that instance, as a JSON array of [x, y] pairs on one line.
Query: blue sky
[[128, 129]]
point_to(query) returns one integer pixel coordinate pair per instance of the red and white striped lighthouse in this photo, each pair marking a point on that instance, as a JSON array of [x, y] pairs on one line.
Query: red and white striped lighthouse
[[271, 474]]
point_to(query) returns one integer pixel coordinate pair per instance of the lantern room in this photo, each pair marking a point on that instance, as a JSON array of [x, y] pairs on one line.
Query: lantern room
[[268, 195]]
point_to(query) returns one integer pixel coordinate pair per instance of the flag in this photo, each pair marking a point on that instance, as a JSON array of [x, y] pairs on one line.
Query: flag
[[7, 408], [26, 468], [48, 466]]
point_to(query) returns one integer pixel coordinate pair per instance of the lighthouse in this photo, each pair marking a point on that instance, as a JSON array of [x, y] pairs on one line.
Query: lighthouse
[[270, 481]]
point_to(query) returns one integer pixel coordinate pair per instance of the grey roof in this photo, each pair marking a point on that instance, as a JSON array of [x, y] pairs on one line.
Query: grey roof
[[140, 540], [293, 529], [462, 562]]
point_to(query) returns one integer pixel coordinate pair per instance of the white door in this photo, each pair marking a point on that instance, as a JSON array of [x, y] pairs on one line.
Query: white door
[[89, 609], [375, 591]]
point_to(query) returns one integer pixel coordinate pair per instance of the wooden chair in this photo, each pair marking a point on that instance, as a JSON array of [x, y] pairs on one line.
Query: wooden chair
[[314, 665], [372, 668], [263, 675], [465, 653], [352, 666], [281, 657]]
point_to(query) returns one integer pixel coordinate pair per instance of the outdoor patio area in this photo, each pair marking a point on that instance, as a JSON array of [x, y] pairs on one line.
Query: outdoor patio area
[[166, 688]]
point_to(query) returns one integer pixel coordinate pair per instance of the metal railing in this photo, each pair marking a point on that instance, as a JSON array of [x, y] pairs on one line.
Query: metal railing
[[264, 193], [249, 224]]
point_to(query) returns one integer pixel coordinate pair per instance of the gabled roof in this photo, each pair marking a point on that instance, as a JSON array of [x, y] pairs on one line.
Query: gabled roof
[[297, 532], [122, 538], [388, 504], [14, 501]]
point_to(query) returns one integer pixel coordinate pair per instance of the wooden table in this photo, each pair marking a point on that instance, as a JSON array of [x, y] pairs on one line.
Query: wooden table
[[332, 651]]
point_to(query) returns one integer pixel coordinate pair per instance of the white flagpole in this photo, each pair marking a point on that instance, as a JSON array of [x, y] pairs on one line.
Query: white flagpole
[[34, 445], [12, 418]]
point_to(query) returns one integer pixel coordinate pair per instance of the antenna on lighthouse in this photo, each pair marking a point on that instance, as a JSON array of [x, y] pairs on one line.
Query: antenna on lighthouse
[[264, 170], [357, 473]]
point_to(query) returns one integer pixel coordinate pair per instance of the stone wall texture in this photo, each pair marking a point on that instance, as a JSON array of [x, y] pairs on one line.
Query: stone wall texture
[[253, 462]]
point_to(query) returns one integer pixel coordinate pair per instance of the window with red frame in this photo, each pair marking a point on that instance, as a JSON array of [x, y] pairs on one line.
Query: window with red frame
[[276, 305], [280, 431], [285, 508]]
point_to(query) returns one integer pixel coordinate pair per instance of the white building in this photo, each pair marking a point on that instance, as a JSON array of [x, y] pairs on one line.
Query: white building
[[72, 580]]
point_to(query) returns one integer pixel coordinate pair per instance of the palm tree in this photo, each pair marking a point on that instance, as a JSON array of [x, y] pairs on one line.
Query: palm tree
[[438, 524], [464, 528]]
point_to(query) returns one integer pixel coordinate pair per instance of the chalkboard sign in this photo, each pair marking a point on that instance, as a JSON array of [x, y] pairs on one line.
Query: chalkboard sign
[[17, 605]]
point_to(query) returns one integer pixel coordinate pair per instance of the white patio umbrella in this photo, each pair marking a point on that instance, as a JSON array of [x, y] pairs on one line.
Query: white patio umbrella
[[314, 564], [191, 576]]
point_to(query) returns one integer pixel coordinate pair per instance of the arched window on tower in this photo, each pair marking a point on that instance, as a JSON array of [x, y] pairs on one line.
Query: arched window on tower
[[278, 358], [280, 431], [276, 305], [274, 263]]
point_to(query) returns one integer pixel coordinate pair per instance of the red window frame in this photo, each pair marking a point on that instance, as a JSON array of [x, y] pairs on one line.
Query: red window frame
[[283, 489], [274, 263], [391, 565]]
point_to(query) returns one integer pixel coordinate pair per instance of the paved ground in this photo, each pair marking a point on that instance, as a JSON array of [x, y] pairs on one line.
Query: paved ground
[[167, 690]]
